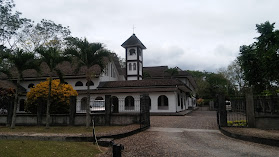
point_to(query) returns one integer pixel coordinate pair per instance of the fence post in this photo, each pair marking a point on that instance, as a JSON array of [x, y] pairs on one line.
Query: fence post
[[107, 109], [73, 101], [250, 108], [222, 110], [40, 111]]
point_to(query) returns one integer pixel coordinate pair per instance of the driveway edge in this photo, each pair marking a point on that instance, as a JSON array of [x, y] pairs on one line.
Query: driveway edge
[[71, 138], [254, 139]]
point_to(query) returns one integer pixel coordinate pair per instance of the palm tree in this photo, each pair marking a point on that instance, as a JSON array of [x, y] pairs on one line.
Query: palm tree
[[88, 55], [52, 57], [21, 61]]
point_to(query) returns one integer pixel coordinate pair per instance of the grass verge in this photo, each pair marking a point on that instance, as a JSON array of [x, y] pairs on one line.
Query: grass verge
[[29, 148], [59, 129]]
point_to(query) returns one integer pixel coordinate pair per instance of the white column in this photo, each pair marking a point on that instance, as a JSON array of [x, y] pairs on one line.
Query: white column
[[121, 104], [137, 103], [78, 106]]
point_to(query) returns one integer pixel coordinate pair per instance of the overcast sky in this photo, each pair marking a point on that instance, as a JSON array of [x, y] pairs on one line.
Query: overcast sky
[[191, 34]]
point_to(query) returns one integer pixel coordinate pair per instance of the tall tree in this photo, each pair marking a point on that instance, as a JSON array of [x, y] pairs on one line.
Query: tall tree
[[10, 23], [52, 57], [210, 84], [260, 60], [43, 34], [87, 54], [234, 74], [20, 61]]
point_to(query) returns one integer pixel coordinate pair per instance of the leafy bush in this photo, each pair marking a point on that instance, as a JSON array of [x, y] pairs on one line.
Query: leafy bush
[[200, 101], [237, 123], [60, 97]]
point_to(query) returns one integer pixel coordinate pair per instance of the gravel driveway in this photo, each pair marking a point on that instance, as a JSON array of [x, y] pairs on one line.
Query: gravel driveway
[[195, 134]]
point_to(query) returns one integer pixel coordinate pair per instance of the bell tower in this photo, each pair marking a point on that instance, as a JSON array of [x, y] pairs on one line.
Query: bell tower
[[134, 58]]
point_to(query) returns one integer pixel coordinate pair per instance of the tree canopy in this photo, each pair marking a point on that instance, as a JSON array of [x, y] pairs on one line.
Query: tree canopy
[[10, 22], [260, 60], [209, 84]]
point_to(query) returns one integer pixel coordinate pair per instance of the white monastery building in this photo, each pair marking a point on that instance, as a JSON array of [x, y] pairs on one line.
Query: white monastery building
[[168, 94]]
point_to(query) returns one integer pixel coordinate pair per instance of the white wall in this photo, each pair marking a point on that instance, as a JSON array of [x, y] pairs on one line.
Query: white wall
[[172, 100], [26, 83], [132, 78], [154, 101]]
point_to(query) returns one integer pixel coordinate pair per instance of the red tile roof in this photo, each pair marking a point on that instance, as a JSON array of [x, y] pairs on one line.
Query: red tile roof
[[141, 83], [156, 85], [129, 90]]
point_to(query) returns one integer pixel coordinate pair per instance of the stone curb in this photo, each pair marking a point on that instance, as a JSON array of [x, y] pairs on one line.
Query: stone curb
[[254, 139]]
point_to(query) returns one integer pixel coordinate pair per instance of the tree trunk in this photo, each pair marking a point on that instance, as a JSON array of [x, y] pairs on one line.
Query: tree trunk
[[48, 103], [15, 104], [87, 106]]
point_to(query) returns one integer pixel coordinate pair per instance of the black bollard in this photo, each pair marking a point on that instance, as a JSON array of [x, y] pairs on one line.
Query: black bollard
[[116, 150]]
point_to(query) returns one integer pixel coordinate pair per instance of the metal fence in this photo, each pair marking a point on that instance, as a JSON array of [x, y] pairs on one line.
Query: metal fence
[[266, 105], [98, 106]]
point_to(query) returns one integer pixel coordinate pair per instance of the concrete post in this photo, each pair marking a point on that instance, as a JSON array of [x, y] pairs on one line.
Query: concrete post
[[250, 112], [107, 109], [72, 113], [222, 110]]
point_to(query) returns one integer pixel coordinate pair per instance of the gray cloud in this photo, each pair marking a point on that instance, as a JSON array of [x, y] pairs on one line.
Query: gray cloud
[[196, 35]]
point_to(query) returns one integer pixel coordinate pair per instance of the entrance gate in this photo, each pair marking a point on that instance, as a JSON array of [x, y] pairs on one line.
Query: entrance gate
[[236, 112], [232, 112]]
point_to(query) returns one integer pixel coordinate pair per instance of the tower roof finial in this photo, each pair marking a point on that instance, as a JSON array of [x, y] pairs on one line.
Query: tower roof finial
[[134, 29]]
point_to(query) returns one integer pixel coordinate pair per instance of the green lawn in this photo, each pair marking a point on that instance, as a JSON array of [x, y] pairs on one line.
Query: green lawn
[[59, 129], [28, 148]]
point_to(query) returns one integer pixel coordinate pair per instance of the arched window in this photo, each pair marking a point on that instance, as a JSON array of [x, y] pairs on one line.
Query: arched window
[[135, 66], [31, 85], [90, 83], [163, 102], [79, 83], [98, 105], [83, 104], [99, 98], [132, 51], [21, 105], [129, 103], [130, 66]]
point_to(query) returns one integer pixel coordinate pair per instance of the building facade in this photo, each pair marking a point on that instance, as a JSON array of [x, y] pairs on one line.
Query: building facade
[[167, 94]]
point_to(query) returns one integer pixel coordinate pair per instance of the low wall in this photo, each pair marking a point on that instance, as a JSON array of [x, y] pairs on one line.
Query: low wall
[[79, 119], [267, 122]]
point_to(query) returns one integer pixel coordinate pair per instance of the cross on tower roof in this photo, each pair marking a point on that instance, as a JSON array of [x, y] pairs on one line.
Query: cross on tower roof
[[134, 29]]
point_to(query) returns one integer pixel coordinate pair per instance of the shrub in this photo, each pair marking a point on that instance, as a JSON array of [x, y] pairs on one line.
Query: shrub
[[60, 97], [200, 101], [237, 123]]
